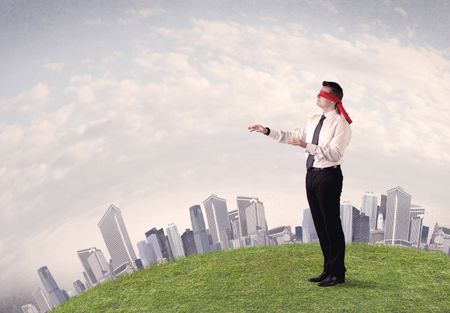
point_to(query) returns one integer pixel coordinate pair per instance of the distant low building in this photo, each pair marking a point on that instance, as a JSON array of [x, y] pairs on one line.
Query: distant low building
[[282, 234]]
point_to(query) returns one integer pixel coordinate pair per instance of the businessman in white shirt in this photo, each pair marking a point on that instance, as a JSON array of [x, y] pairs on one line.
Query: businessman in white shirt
[[324, 137]]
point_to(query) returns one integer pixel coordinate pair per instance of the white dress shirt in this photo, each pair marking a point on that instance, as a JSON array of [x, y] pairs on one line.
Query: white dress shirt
[[334, 138]]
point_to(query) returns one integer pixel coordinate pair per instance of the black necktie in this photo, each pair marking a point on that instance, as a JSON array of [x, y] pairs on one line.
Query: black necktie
[[310, 160]]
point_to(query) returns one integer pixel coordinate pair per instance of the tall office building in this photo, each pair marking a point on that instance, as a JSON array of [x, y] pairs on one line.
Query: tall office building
[[309, 230], [424, 237], [199, 229], [188, 242], [175, 241], [88, 282], [79, 286], [218, 221], [252, 219], [163, 242], [242, 204], [417, 214], [397, 217], [381, 213], [42, 300], [153, 240], [146, 252], [235, 240], [29, 308], [362, 233], [56, 295], [347, 214], [100, 267], [369, 208], [83, 255], [117, 241], [298, 234]]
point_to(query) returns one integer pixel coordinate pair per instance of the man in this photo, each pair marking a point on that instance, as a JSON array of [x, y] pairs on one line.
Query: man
[[325, 138]]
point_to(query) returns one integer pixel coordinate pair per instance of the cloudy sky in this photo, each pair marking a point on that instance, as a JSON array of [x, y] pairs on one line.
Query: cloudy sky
[[146, 105]]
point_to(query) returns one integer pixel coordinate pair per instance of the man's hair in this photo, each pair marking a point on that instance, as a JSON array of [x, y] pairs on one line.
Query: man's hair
[[335, 89]]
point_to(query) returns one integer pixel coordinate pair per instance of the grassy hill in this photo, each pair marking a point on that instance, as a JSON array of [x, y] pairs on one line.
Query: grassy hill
[[274, 279]]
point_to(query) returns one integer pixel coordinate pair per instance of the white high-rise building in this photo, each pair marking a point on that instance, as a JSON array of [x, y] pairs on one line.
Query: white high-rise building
[[199, 229], [99, 266], [397, 217], [175, 241], [218, 221], [117, 241], [416, 223], [309, 230], [29, 308], [83, 255], [347, 220], [153, 240], [369, 208], [42, 300], [146, 252]]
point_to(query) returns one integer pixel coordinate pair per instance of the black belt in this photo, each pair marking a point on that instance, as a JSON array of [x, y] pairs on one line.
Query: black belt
[[313, 169]]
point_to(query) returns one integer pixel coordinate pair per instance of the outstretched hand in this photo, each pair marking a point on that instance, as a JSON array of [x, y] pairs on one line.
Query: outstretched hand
[[257, 128], [297, 142]]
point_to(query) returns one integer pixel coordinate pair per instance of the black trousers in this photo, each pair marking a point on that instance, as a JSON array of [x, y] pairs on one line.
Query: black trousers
[[323, 189]]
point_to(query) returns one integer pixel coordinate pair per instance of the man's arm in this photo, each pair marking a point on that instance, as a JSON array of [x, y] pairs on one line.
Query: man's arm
[[282, 136]]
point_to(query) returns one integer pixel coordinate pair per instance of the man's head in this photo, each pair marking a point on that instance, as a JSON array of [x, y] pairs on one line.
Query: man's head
[[332, 88]]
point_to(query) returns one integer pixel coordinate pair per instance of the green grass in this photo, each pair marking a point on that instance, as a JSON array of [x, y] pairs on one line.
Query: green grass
[[274, 279]]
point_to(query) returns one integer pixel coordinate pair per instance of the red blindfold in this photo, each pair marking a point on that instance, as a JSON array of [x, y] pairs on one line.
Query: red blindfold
[[340, 107]]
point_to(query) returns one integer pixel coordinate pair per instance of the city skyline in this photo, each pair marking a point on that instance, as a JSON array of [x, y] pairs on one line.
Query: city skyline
[[348, 223], [146, 105]]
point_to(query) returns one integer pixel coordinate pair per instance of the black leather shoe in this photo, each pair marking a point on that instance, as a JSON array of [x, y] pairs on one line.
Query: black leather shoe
[[319, 278], [331, 280]]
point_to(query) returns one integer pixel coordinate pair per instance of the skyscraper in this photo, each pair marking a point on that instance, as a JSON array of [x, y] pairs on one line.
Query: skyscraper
[[83, 255], [56, 295], [381, 215], [146, 252], [235, 240], [117, 240], [99, 265], [163, 243], [369, 208], [417, 214], [347, 220], [242, 204], [309, 230], [397, 217], [253, 221], [218, 221], [199, 229], [175, 241], [298, 234], [188, 242], [42, 300], [153, 241]]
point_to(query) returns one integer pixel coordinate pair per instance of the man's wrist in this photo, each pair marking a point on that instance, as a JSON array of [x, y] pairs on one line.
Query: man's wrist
[[266, 131]]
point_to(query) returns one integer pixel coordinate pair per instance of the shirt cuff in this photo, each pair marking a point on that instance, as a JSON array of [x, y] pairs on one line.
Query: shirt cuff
[[311, 148]]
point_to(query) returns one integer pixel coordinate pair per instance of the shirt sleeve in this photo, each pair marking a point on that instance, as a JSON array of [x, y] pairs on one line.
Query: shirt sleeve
[[334, 150], [283, 136]]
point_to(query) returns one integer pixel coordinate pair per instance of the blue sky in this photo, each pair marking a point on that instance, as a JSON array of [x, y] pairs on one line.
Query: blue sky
[[146, 105]]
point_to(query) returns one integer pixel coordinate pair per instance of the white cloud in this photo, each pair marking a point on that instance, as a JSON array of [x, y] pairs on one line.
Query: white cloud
[[401, 11], [26, 101], [55, 67], [138, 15]]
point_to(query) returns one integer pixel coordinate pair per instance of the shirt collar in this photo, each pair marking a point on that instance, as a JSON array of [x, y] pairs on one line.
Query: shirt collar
[[330, 113]]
